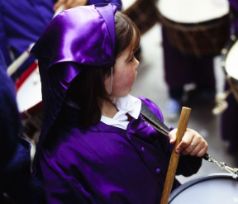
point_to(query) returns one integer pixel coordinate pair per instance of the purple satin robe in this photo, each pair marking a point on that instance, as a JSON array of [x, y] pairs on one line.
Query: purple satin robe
[[106, 164]]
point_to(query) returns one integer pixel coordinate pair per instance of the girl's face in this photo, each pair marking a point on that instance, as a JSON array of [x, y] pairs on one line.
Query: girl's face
[[124, 74]]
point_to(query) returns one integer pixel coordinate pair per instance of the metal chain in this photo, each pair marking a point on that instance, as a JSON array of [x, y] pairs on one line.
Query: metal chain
[[222, 165]]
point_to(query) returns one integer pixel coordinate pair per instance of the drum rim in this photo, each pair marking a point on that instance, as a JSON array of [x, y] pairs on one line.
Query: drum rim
[[20, 81], [225, 52], [193, 26], [192, 182]]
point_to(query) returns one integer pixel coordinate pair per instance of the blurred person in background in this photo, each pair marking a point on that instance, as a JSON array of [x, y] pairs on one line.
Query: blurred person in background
[[22, 22], [15, 176], [188, 59], [181, 69], [229, 116]]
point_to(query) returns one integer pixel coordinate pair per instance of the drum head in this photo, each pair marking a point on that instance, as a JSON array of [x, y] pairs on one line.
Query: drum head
[[193, 11], [127, 3], [29, 89], [231, 64], [215, 189]]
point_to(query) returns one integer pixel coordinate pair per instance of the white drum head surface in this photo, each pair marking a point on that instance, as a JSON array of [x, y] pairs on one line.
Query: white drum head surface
[[231, 63], [29, 93], [212, 191], [127, 3], [193, 11]]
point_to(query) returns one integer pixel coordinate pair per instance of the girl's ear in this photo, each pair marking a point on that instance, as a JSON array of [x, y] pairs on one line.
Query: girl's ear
[[109, 82]]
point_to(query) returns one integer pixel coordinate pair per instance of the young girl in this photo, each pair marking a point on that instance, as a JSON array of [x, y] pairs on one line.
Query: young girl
[[95, 146]]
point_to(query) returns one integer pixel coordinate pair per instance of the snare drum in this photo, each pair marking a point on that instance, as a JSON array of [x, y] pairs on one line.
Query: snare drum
[[214, 189], [143, 13], [196, 27], [29, 100], [230, 66]]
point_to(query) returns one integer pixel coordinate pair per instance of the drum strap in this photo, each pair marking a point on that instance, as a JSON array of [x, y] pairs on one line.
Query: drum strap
[[150, 117]]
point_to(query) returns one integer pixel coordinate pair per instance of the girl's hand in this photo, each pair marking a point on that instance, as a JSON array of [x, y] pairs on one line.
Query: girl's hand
[[192, 143], [69, 3]]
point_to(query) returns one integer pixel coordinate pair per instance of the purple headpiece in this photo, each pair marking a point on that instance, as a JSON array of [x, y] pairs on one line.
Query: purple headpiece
[[83, 35]]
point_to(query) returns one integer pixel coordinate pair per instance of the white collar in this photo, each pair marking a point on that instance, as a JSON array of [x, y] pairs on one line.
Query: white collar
[[125, 105]]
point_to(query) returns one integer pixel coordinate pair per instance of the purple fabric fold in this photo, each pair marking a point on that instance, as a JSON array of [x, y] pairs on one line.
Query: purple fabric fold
[[106, 164], [89, 40]]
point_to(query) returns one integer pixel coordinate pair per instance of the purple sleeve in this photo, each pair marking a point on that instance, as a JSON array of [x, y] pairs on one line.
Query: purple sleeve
[[188, 165], [57, 190]]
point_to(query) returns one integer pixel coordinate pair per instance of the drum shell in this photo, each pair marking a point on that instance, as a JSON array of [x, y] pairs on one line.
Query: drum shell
[[200, 39], [144, 14]]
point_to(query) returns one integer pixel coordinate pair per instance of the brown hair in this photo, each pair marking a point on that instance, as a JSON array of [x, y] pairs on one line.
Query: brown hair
[[88, 89], [126, 32]]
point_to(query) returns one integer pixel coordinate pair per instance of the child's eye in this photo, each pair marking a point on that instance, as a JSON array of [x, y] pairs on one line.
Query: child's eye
[[131, 58]]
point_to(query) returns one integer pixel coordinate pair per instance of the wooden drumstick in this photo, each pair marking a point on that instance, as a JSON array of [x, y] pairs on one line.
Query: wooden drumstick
[[12, 68], [174, 159]]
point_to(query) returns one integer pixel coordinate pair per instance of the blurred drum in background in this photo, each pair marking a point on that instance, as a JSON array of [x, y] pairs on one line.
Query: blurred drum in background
[[229, 56], [219, 189], [144, 13], [230, 66], [29, 100], [198, 27]]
